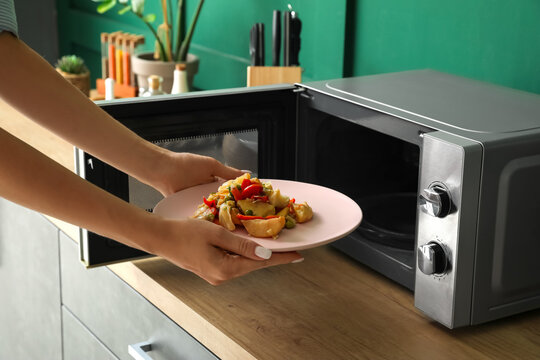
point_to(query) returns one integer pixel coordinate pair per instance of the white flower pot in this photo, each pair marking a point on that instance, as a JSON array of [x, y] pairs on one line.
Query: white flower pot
[[144, 65]]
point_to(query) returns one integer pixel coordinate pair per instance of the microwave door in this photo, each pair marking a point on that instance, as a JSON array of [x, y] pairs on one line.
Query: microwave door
[[249, 128]]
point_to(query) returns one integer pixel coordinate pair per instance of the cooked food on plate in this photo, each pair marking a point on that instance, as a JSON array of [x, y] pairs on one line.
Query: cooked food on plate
[[255, 205]]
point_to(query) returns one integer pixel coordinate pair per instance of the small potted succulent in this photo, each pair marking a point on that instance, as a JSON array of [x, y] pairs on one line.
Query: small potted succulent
[[172, 45], [73, 69]]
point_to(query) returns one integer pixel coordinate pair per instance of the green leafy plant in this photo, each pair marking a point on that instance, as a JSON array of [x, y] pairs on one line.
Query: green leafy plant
[[171, 45], [71, 64]]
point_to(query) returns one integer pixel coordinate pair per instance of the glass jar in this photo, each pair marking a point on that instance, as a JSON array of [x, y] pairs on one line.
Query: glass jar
[[154, 86]]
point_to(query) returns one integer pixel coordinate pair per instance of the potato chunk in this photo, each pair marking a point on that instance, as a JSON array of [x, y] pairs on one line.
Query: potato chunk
[[203, 212], [303, 212], [277, 199], [225, 218], [264, 228], [258, 208]]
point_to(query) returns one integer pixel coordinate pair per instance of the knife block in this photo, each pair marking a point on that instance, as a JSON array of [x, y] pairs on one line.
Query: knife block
[[266, 75]]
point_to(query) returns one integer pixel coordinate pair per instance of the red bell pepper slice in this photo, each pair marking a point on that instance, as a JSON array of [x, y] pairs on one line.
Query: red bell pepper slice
[[237, 194], [209, 203], [251, 190], [245, 183], [290, 205]]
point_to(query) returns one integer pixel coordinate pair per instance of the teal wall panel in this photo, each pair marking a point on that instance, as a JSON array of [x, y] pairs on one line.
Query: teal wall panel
[[221, 38], [223, 35], [492, 40]]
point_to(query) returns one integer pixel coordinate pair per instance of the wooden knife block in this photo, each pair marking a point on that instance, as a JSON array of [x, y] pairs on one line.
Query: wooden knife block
[[266, 75]]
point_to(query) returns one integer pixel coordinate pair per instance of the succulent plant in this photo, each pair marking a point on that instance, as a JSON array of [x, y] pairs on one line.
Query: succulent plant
[[71, 64]]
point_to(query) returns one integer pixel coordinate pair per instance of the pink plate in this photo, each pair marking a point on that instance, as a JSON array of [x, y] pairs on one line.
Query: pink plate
[[335, 215]]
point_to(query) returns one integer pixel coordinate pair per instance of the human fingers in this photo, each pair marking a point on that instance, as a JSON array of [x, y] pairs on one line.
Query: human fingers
[[205, 169], [242, 246], [225, 172], [212, 252], [250, 249]]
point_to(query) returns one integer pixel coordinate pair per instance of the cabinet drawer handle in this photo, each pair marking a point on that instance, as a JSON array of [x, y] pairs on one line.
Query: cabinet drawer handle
[[138, 351]]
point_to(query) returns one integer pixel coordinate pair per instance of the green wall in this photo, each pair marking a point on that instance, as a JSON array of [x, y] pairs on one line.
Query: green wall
[[221, 38], [492, 40]]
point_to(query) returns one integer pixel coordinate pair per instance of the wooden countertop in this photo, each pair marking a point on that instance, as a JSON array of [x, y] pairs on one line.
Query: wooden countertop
[[327, 307]]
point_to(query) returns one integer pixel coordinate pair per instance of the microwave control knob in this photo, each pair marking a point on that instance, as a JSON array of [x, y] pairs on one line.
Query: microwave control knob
[[432, 259], [435, 201]]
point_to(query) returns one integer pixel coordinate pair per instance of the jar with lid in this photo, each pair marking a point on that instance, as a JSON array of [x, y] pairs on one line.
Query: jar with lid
[[180, 83], [154, 86]]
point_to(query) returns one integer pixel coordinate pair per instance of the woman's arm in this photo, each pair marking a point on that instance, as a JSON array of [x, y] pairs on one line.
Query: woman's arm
[[30, 84], [33, 180]]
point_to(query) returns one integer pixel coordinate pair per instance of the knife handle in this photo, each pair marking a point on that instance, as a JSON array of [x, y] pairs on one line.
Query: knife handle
[[286, 38], [276, 37], [260, 43], [295, 29], [253, 38]]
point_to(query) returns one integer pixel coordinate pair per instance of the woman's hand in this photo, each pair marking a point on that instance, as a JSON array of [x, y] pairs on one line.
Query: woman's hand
[[206, 249], [178, 171], [210, 251]]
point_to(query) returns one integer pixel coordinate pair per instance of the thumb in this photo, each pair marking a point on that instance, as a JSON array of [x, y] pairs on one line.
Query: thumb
[[226, 172]]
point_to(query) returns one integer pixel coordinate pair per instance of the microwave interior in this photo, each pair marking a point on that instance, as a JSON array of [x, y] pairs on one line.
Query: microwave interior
[[374, 159], [304, 135]]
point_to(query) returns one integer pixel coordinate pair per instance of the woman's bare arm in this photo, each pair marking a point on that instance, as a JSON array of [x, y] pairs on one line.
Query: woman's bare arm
[[33, 180], [31, 85]]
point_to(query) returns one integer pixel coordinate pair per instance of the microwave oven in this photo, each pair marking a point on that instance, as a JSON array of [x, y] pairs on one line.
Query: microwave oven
[[446, 170]]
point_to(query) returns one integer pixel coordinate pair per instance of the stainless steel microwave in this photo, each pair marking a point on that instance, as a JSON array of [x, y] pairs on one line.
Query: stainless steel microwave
[[446, 170]]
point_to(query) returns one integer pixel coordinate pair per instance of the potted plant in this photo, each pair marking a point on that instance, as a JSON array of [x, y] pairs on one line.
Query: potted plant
[[73, 69], [172, 45]]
